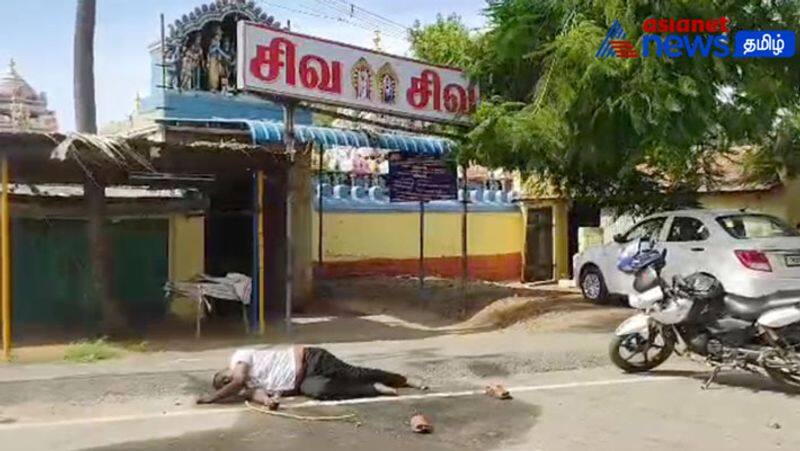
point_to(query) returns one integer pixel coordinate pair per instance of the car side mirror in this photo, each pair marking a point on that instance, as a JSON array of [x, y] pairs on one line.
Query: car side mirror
[[618, 238]]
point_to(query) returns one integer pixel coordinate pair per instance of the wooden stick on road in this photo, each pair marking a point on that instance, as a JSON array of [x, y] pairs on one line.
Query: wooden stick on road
[[346, 417]]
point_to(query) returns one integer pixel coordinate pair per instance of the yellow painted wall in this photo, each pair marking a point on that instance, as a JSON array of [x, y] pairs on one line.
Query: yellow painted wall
[[186, 256], [395, 235]]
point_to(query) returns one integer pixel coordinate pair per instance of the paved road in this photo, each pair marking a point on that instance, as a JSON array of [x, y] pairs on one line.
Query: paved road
[[566, 397]]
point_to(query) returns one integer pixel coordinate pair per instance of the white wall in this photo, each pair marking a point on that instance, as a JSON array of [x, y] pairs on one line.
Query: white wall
[[612, 224]]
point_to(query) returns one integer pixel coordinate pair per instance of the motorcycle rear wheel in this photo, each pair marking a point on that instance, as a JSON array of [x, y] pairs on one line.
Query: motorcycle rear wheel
[[784, 377], [624, 350]]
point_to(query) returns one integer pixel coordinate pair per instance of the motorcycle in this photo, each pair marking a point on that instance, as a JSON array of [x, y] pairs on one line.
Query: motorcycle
[[693, 316]]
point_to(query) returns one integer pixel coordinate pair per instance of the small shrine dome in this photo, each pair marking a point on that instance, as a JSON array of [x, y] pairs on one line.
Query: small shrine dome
[[22, 108], [12, 85]]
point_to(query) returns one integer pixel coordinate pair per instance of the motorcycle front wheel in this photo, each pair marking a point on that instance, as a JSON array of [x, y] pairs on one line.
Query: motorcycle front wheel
[[633, 353]]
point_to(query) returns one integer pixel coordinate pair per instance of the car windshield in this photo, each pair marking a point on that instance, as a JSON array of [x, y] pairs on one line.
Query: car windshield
[[746, 226]]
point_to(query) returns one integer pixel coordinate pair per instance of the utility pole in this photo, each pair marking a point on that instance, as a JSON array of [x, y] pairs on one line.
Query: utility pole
[[93, 187]]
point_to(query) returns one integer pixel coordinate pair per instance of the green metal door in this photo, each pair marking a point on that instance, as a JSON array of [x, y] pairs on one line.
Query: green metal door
[[141, 266], [51, 272]]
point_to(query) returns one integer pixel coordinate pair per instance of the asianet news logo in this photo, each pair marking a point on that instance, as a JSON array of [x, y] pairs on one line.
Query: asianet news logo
[[675, 38]]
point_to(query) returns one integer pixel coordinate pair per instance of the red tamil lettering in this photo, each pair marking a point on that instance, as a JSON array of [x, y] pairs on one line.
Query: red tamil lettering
[[459, 100], [316, 73], [424, 87], [455, 99], [280, 54]]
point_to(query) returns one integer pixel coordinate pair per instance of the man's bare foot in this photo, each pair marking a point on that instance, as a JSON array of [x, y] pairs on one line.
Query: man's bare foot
[[384, 389]]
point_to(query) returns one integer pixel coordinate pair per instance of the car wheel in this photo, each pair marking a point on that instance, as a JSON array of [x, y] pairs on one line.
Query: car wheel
[[593, 286]]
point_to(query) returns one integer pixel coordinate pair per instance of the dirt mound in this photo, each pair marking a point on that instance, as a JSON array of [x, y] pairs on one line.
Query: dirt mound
[[592, 319], [505, 312], [444, 306], [555, 313]]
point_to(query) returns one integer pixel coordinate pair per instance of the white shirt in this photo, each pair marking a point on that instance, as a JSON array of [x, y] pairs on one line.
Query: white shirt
[[273, 369]]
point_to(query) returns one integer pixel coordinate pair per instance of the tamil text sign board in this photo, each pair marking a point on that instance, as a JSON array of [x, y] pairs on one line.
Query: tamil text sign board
[[302, 67], [417, 178]]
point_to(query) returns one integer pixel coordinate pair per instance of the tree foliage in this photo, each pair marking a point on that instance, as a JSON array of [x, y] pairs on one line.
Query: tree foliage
[[447, 41], [587, 126]]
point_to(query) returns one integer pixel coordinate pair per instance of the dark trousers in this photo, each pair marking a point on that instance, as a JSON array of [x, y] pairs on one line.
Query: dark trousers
[[327, 377]]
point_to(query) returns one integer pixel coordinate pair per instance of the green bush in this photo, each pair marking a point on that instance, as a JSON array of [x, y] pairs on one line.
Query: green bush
[[90, 351]]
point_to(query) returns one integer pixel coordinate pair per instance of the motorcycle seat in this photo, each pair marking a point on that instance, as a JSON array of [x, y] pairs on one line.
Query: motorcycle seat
[[750, 309]]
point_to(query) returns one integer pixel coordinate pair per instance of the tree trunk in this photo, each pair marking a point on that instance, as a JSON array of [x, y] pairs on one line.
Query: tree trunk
[[85, 120], [93, 187]]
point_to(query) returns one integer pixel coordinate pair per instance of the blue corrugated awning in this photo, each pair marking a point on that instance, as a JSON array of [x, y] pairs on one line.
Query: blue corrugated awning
[[272, 132], [265, 132]]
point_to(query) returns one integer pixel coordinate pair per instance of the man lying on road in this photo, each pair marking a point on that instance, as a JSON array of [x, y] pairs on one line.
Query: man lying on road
[[264, 375]]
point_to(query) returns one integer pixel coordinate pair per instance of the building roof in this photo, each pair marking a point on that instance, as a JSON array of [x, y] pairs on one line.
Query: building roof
[[727, 173], [52, 158], [731, 175]]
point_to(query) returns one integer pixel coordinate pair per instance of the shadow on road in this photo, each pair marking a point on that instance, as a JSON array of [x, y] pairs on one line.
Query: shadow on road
[[738, 379], [466, 423]]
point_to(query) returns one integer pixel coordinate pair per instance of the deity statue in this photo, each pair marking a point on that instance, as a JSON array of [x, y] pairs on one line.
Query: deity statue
[[361, 78], [387, 84], [227, 47], [191, 65], [218, 63], [363, 85], [173, 64]]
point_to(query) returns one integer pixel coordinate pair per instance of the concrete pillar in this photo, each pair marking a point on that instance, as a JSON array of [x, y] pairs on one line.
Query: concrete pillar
[[302, 229], [561, 257]]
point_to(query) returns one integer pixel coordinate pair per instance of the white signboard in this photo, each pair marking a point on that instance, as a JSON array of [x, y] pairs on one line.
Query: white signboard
[[312, 69]]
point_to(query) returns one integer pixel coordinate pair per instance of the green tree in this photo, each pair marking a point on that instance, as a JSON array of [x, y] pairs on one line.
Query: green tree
[[624, 132], [447, 41]]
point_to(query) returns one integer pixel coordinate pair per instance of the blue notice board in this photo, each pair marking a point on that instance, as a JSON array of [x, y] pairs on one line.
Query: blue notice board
[[420, 178]]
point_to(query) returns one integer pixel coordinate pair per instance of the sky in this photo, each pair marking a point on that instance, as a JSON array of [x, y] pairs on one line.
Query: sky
[[38, 35]]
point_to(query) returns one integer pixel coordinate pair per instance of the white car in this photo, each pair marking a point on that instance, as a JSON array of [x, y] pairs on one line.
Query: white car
[[751, 254]]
